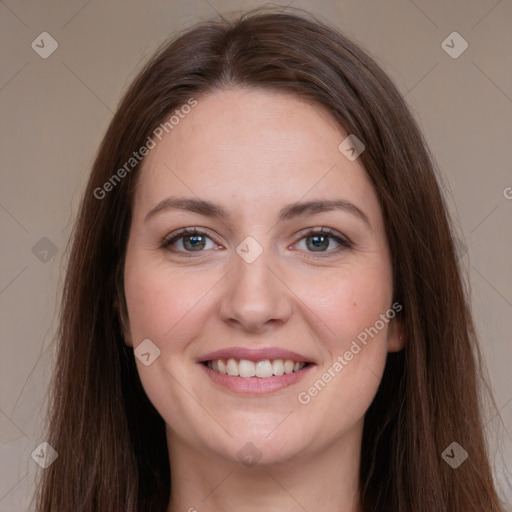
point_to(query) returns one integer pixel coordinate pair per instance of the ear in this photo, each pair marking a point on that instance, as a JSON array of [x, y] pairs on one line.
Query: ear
[[396, 335]]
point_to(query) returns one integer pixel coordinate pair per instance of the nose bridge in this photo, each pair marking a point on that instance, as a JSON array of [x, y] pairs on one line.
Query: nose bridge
[[255, 295]]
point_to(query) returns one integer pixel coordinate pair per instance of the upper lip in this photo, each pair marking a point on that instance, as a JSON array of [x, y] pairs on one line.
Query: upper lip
[[254, 355]]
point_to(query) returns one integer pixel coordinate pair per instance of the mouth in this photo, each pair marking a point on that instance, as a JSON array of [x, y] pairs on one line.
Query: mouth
[[255, 371], [262, 369]]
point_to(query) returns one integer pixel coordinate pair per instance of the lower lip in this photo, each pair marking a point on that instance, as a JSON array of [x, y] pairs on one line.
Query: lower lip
[[256, 385]]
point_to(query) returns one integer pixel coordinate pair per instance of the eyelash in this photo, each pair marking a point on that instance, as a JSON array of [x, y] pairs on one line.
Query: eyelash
[[168, 240]]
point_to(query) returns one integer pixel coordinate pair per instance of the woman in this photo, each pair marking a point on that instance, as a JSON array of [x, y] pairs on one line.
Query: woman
[[263, 308]]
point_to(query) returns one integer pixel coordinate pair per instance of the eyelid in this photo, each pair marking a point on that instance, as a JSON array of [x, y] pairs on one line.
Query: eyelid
[[194, 230], [343, 240], [324, 230]]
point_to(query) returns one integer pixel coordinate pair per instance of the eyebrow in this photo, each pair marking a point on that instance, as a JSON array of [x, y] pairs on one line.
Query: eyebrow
[[297, 209]]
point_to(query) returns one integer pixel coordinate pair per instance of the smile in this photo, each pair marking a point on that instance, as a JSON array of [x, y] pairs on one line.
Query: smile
[[262, 369], [255, 371]]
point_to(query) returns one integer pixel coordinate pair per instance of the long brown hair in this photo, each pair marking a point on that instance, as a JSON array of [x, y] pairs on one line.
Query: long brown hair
[[110, 439]]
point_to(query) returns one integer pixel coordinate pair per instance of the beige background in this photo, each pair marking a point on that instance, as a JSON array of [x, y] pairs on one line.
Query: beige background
[[55, 111]]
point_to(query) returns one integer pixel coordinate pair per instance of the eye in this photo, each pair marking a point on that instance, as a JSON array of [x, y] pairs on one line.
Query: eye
[[320, 240], [317, 241], [187, 240]]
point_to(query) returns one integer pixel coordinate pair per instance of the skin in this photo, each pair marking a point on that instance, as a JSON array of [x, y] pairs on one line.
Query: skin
[[254, 152]]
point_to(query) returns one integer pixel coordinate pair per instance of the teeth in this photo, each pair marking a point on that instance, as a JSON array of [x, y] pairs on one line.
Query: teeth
[[246, 368], [222, 367], [278, 367], [232, 367], [262, 369], [288, 366]]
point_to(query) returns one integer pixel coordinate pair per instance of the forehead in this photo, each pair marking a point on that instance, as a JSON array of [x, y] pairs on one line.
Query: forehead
[[243, 119], [252, 146]]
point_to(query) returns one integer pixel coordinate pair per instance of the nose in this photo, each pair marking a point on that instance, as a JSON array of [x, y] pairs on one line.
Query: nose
[[256, 296]]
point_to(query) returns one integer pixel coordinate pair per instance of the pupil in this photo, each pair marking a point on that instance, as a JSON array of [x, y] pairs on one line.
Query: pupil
[[319, 241], [194, 241]]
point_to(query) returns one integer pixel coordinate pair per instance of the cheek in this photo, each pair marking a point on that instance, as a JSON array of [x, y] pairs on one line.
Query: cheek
[[348, 306], [357, 353], [160, 308], [349, 301], [159, 302]]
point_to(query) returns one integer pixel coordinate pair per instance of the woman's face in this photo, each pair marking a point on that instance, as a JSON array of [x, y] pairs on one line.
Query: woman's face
[[258, 285]]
